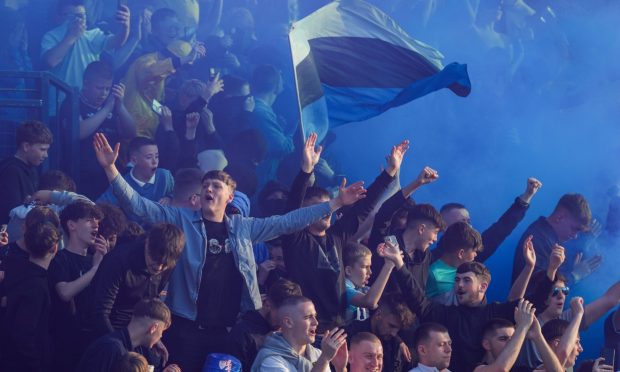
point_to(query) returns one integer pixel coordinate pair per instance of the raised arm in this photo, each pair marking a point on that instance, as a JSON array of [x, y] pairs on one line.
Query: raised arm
[[413, 292], [524, 316], [600, 306], [60, 198], [495, 235], [310, 156], [123, 17], [348, 224], [68, 290], [542, 287], [126, 123], [571, 334], [88, 126], [128, 198], [54, 55], [268, 228], [518, 288], [370, 299], [548, 357]]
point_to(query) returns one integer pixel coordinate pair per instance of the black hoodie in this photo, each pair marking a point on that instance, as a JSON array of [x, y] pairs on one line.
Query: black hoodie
[[18, 181], [25, 334]]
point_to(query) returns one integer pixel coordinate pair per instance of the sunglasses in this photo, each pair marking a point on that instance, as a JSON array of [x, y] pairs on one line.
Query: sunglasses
[[556, 291]]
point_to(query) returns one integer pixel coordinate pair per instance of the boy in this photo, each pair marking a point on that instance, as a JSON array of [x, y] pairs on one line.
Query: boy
[[101, 110], [145, 177], [71, 273], [25, 339], [360, 298], [19, 173]]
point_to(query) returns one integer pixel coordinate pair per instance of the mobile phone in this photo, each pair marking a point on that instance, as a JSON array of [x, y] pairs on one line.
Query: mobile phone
[[157, 107], [3, 229], [391, 240], [609, 354]]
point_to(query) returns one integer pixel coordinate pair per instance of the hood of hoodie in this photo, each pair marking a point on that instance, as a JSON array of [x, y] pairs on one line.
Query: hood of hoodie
[[242, 203]]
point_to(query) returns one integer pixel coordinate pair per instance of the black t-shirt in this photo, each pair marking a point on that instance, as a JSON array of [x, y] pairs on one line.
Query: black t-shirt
[[69, 317], [93, 179], [219, 297], [8, 256]]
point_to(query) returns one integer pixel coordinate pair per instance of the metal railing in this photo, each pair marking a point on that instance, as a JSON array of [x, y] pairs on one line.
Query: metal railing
[[43, 93]]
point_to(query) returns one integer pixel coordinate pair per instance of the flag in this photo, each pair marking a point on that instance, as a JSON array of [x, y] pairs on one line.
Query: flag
[[353, 62]]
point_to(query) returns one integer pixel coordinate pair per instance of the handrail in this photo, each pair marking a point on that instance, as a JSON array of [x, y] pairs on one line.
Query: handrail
[[65, 153]]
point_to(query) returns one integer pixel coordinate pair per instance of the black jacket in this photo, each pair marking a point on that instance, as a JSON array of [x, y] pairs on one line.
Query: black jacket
[[464, 323], [317, 266], [25, 334], [120, 282], [247, 337], [18, 181], [102, 354]]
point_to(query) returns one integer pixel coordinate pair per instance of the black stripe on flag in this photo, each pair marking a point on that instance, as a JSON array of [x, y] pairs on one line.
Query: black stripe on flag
[[309, 84], [367, 63]]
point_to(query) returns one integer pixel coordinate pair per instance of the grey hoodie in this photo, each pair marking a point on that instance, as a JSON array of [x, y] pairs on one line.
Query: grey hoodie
[[276, 345]]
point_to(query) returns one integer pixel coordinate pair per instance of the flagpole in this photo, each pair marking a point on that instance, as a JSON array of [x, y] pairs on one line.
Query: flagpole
[[301, 124]]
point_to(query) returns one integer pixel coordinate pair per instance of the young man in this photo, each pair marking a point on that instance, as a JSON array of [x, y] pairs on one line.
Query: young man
[[25, 340], [69, 48], [313, 256], [423, 223], [291, 349], [151, 317], [101, 110], [365, 353], [466, 320], [570, 217], [13, 254], [215, 277], [554, 309], [145, 177], [502, 341], [248, 335], [70, 276], [459, 244], [563, 336], [19, 173], [187, 188], [433, 347], [132, 273], [495, 235], [386, 322]]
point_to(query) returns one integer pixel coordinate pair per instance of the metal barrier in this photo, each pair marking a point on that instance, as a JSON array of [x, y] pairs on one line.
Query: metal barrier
[[42, 93]]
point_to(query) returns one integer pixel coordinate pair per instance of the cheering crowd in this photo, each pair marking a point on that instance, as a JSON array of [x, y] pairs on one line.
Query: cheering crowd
[[204, 232]]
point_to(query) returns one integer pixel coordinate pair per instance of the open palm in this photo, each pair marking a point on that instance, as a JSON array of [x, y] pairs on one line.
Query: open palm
[[106, 156]]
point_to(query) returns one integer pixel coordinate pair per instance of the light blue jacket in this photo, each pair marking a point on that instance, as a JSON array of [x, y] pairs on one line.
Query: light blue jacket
[[185, 279]]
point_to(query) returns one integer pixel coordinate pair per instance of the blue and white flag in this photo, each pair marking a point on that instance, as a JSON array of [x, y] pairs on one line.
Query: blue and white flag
[[353, 62]]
